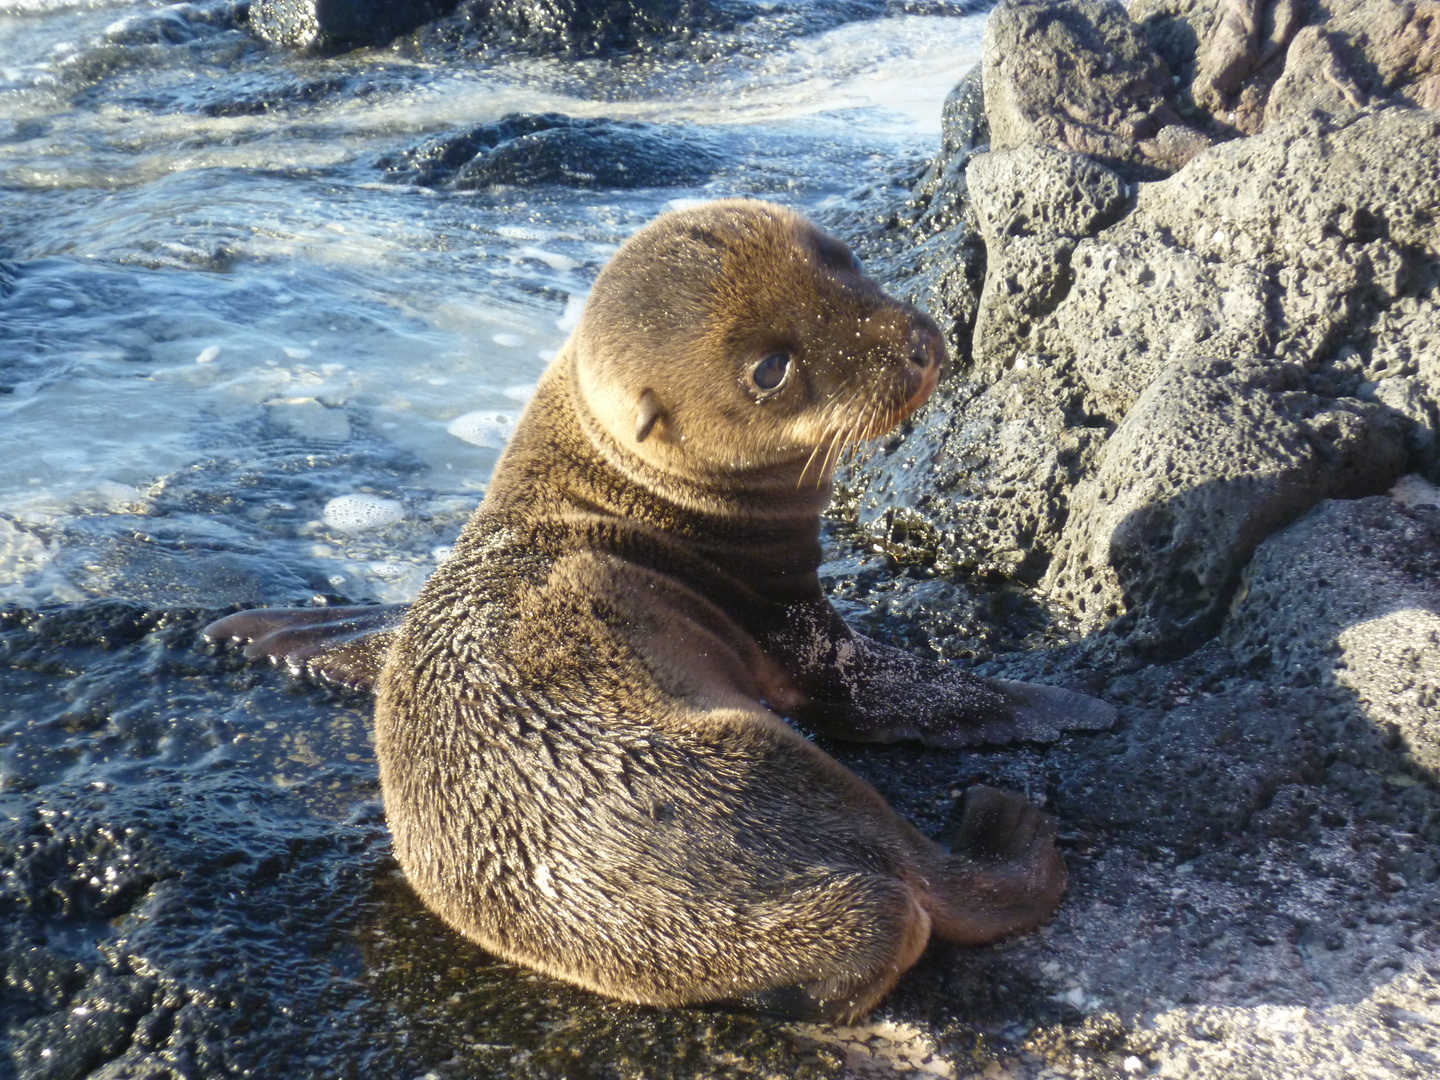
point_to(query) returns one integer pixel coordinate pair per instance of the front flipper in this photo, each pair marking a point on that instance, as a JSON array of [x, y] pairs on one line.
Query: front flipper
[[344, 645], [863, 691]]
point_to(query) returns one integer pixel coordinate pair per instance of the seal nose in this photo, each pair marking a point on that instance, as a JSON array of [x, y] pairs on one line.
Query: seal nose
[[927, 347]]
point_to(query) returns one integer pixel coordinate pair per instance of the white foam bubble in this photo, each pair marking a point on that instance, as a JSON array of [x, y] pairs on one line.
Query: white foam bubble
[[357, 513], [570, 319], [552, 259], [521, 393], [521, 232], [208, 354], [486, 428], [510, 341]]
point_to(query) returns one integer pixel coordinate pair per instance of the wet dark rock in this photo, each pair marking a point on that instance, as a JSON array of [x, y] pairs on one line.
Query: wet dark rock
[[331, 26], [525, 149], [271, 95], [196, 881], [584, 27]]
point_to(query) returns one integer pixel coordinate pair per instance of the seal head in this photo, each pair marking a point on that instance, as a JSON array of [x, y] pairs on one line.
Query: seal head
[[737, 339]]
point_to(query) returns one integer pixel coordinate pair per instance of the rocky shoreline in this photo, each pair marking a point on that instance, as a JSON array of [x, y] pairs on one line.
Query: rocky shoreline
[[1188, 256]]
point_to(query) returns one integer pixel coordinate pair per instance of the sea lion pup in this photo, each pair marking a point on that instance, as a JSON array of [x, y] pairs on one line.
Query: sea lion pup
[[579, 722]]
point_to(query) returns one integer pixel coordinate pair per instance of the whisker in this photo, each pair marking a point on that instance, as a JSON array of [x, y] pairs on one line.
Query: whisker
[[831, 408]]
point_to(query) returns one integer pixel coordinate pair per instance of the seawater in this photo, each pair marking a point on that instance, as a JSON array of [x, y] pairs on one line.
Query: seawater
[[239, 365]]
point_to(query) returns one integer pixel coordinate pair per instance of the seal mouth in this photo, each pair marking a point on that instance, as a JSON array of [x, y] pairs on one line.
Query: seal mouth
[[872, 418], [929, 379]]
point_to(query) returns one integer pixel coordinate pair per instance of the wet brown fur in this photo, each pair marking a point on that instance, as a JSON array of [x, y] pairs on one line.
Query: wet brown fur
[[580, 722]]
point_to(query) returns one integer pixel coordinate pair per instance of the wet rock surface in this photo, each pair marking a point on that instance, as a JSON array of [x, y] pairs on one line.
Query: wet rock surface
[[549, 148], [197, 882], [327, 26]]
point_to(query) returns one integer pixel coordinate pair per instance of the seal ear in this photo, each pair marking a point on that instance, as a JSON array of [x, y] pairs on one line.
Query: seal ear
[[649, 412]]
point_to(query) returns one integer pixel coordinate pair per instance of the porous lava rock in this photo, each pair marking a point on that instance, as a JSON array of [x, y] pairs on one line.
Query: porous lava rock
[[1158, 380], [1243, 65], [1079, 75], [1349, 596]]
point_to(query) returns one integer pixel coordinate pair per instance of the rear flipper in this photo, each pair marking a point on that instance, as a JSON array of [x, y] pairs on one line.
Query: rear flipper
[[344, 645], [1004, 874]]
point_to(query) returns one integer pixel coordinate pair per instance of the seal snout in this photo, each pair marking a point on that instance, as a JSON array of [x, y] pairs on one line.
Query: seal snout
[[927, 359], [927, 348]]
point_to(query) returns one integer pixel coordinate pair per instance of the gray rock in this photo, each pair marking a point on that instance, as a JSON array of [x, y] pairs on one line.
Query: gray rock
[[1211, 459], [1350, 597], [1038, 190], [1244, 65], [1032, 204], [1079, 75], [1316, 77], [1241, 57], [1253, 333]]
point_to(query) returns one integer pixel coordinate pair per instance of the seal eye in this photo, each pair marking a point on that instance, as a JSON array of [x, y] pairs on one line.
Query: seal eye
[[770, 372]]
